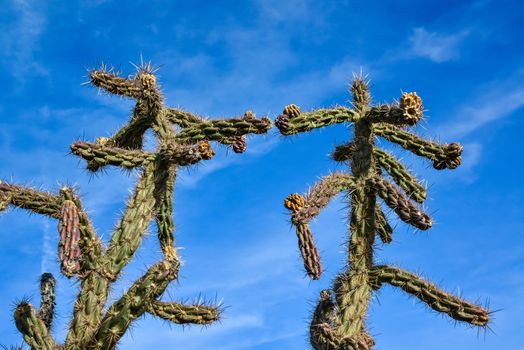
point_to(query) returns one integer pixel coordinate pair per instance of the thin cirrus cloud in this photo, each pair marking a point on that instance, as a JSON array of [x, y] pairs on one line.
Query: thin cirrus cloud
[[438, 47]]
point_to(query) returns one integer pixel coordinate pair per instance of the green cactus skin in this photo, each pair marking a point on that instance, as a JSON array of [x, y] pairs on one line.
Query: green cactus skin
[[339, 320], [183, 141]]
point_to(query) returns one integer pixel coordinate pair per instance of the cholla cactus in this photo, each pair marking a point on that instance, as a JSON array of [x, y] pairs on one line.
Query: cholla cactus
[[80, 251], [338, 321]]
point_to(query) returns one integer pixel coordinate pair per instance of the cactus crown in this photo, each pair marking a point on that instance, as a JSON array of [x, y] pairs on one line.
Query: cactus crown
[[184, 139], [338, 320]]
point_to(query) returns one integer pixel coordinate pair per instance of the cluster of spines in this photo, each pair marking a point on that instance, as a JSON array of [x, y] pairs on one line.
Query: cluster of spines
[[184, 139], [338, 321]]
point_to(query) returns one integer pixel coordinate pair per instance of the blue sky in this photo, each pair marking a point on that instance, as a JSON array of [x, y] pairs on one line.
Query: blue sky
[[218, 59]]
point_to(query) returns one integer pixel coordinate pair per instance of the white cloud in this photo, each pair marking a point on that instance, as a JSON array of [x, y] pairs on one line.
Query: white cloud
[[437, 47], [20, 40]]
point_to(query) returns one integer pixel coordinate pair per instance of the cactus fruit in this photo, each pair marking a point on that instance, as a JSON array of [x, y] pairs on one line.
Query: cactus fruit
[[338, 321], [184, 139]]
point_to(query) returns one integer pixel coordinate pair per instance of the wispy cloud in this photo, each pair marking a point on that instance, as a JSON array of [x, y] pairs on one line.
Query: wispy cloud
[[438, 47], [20, 40]]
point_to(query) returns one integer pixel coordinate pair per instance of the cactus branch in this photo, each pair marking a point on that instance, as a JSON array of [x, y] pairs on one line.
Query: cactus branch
[[114, 84], [292, 121], [33, 329], [184, 314], [133, 304], [446, 156], [406, 210], [39, 202], [382, 226], [182, 118], [400, 175], [430, 294]]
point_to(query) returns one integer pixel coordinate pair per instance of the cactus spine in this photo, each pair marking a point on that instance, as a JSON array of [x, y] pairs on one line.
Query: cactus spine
[[184, 139], [338, 321]]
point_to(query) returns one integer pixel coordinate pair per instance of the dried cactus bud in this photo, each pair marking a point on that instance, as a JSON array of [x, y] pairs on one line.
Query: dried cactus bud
[[147, 79], [205, 150], [239, 144], [454, 157], [294, 202], [68, 245], [282, 122], [292, 111], [412, 106], [5, 200], [102, 140], [249, 115]]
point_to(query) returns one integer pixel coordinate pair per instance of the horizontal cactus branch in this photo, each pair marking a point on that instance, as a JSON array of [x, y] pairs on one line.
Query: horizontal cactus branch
[[99, 155], [402, 177], [47, 299], [183, 118], [185, 314], [408, 112], [39, 202], [400, 204], [224, 130], [443, 156], [114, 84], [292, 121], [382, 226], [430, 294], [33, 329]]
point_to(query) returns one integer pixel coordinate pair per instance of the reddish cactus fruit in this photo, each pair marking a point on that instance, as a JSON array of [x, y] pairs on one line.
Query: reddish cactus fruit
[[68, 246]]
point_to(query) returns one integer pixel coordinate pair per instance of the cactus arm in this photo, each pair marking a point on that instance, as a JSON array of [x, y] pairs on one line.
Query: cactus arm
[[320, 329], [33, 329], [447, 156], [99, 155], [402, 177], [131, 135], [430, 294], [114, 84], [39, 202], [292, 121], [183, 118], [129, 232], [47, 299], [382, 226], [133, 304], [224, 130], [402, 206], [184, 314]]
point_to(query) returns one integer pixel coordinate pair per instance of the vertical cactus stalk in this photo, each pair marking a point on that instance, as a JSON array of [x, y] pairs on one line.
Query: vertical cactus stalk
[[183, 140], [339, 321]]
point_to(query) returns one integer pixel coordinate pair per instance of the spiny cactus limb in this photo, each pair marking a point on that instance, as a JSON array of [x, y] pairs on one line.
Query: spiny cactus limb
[[183, 118], [382, 226], [36, 201], [306, 242], [446, 156], [139, 212], [185, 314], [430, 294], [114, 84], [88, 308], [394, 199], [89, 243], [131, 135], [292, 121], [400, 175], [133, 304], [33, 329], [408, 112], [164, 190], [47, 299], [99, 155], [319, 195], [360, 93], [321, 321], [223, 130], [352, 290]]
